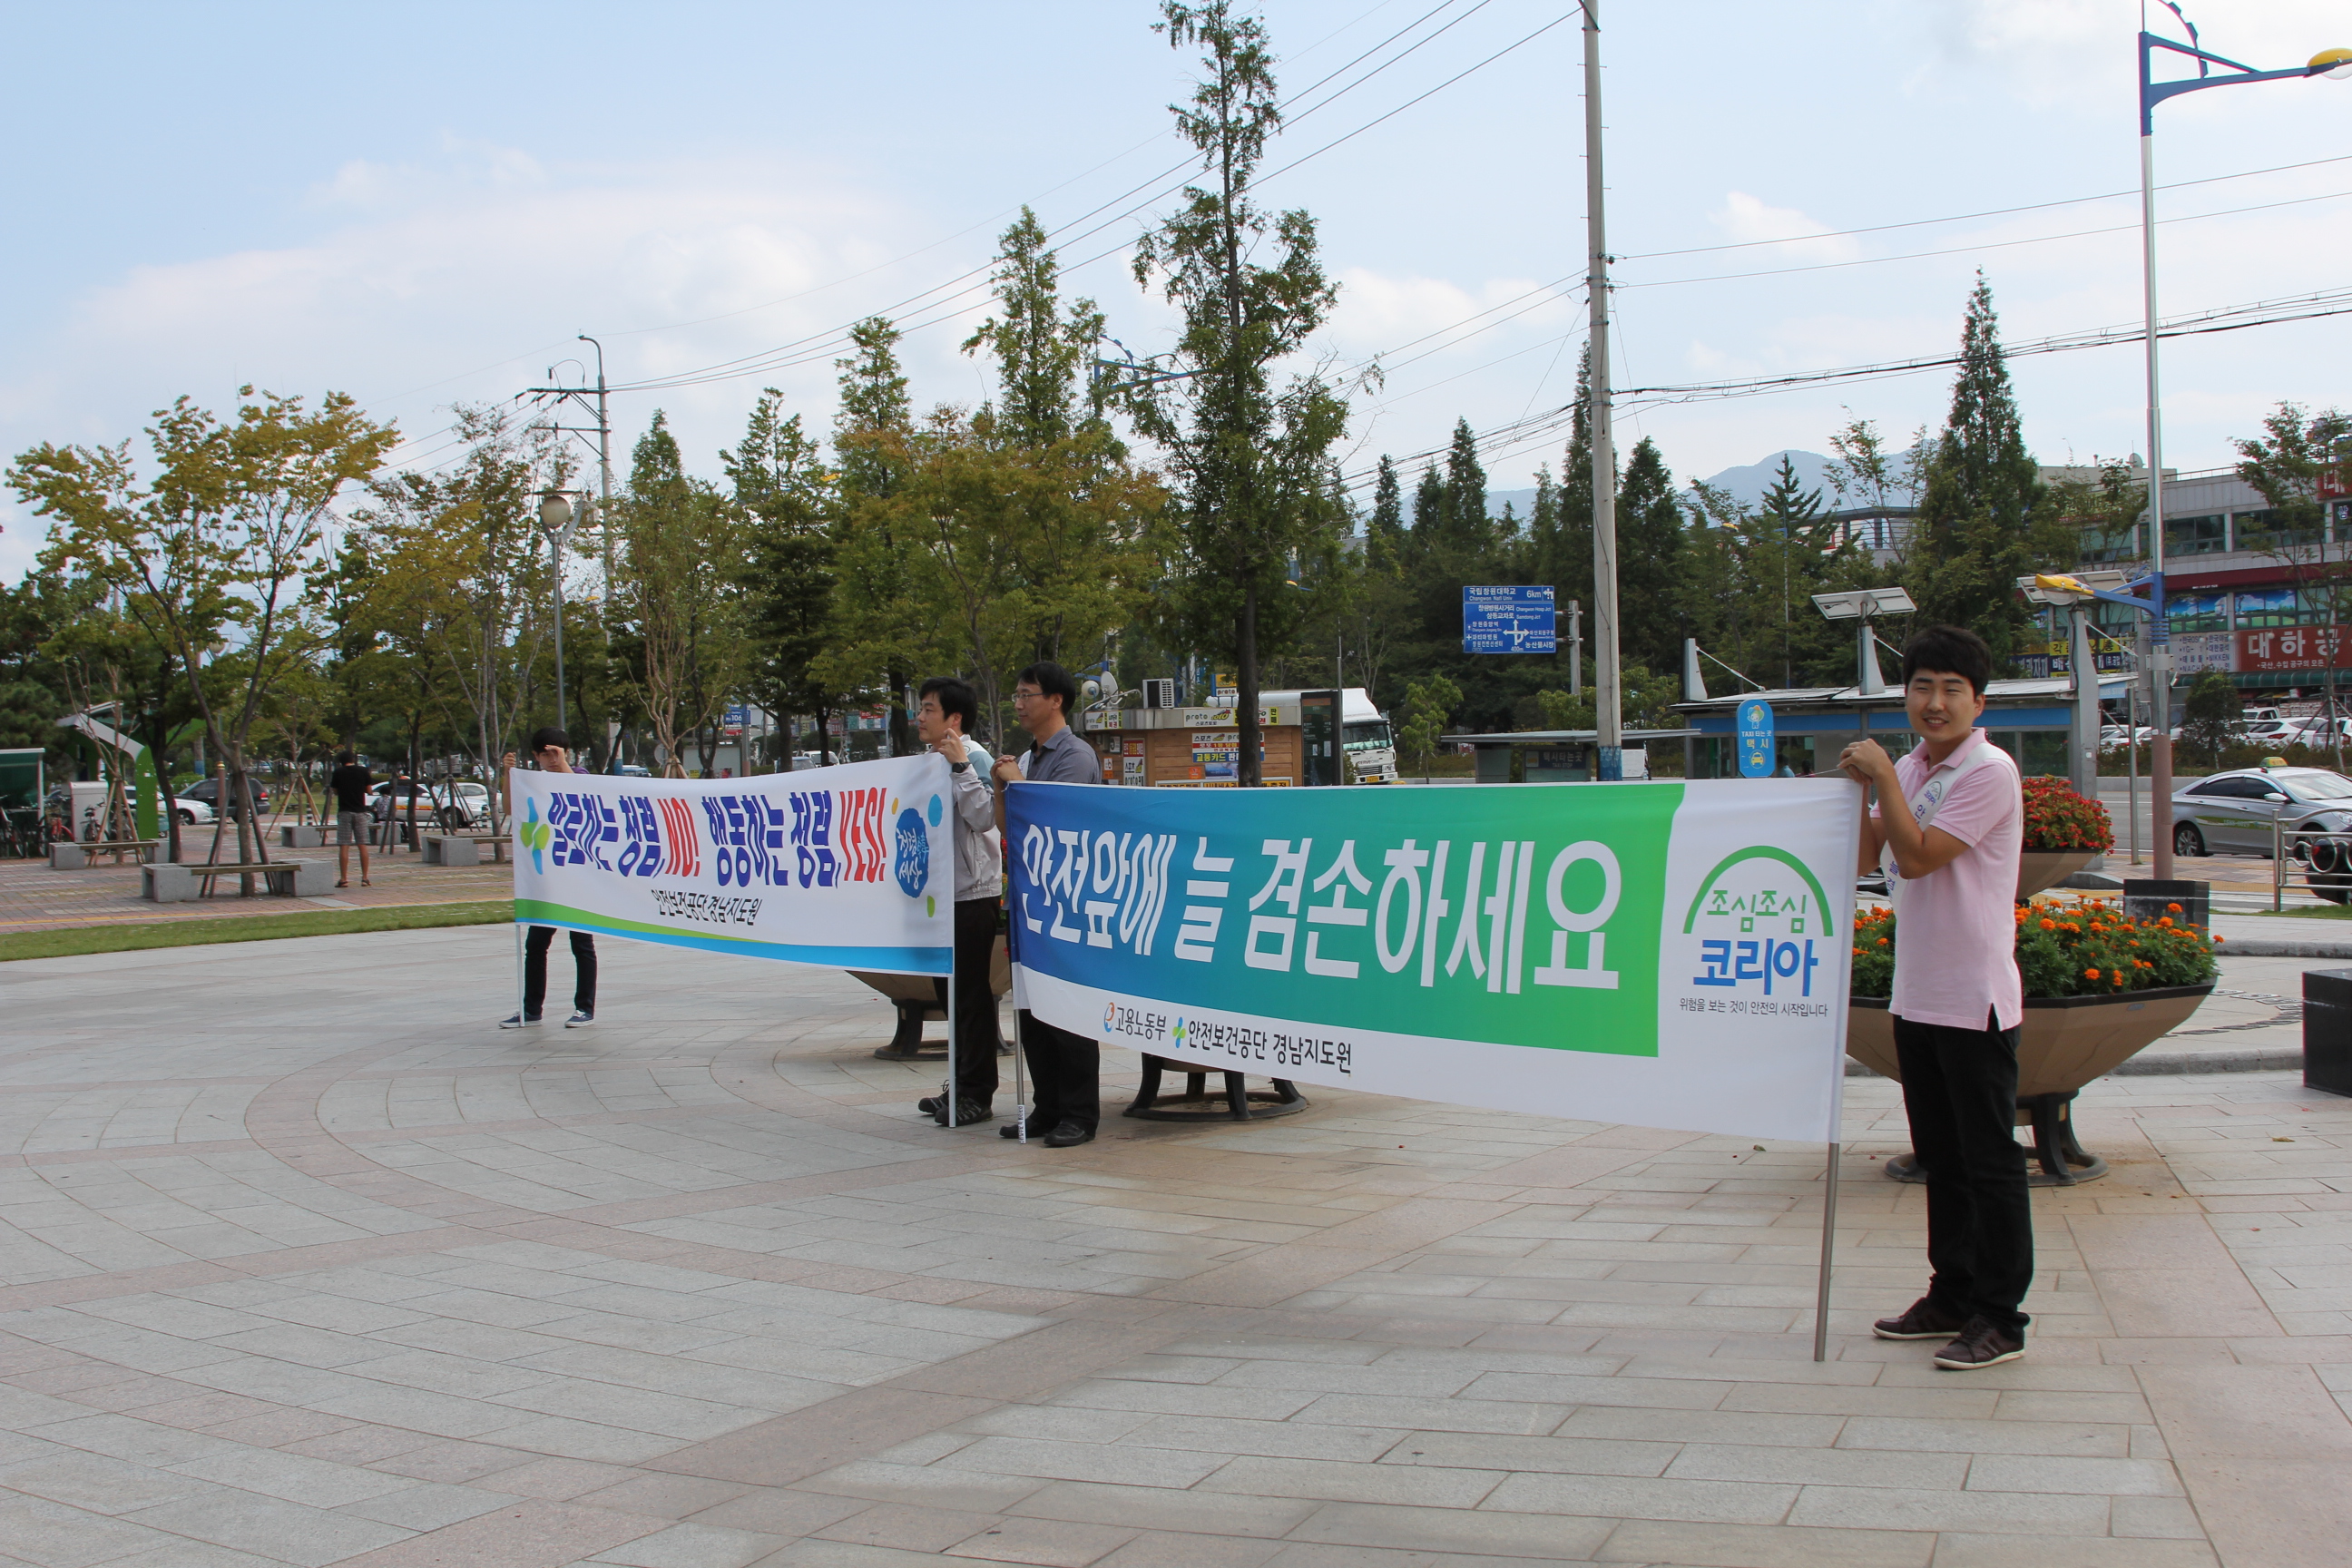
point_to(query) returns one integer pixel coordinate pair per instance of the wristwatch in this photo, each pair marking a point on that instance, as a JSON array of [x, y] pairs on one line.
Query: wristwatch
[[963, 766]]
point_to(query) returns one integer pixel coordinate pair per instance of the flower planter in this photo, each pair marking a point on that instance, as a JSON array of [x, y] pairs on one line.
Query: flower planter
[[2064, 1043], [2038, 869]]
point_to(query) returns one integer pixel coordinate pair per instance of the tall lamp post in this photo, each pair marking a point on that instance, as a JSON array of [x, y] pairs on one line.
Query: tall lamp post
[[2333, 64], [556, 518]]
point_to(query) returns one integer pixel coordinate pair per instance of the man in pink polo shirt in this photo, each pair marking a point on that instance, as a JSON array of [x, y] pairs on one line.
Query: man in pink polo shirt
[[1952, 862]]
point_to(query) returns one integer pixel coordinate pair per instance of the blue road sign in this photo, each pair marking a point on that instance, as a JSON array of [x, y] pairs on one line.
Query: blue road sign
[[1509, 619], [1755, 739]]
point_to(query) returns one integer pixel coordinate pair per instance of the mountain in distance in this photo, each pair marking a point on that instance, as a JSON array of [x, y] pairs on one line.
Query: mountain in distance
[[1746, 484]]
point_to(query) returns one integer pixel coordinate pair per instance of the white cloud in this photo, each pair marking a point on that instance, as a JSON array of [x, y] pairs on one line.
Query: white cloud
[[1747, 220]]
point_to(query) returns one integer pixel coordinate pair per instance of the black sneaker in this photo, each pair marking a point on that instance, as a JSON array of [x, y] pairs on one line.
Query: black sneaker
[[1069, 1135], [1982, 1343], [971, 1113], [1923, 1320]]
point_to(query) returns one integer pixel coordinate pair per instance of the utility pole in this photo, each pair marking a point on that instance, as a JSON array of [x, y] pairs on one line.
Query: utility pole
[[1575, 649], [1607, 687], [605, 465]]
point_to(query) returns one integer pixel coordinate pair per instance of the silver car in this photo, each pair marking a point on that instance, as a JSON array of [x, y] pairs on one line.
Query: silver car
[[2237, 812]]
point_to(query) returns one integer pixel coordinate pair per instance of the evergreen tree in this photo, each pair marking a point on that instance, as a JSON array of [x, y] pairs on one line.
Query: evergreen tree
[[1384, 536], [1463, 509], [1982, 521], [788, 581], [1038, 351], [1649, 562], [1250, 458], [1429, 508], [884, 629], [1785, 543]]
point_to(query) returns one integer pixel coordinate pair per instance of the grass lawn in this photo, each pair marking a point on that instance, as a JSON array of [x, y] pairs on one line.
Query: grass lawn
[[2325, 913], [248, 928]]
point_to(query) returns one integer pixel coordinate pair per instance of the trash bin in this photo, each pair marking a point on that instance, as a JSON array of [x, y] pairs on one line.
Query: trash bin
[[2327, 1030]]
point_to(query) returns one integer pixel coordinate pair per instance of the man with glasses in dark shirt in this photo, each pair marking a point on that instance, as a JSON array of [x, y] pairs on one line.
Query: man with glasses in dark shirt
[[1066, 1068]]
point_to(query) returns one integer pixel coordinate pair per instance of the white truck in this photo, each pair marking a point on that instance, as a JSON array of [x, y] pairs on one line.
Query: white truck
[[1364, 735]]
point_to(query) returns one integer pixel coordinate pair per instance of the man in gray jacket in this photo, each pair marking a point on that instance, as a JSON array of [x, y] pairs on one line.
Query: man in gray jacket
[[948, 710]]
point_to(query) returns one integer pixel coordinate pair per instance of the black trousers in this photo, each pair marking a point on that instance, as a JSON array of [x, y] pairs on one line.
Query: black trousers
[[977, 1036], [1960, 1089], [1064, 1076], [534, 970]]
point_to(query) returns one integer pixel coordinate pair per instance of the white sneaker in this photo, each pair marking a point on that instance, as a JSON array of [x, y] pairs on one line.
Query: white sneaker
[[518, 1022], [580, 1020]]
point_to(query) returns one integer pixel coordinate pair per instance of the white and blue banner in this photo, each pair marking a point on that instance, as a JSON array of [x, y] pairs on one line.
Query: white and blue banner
[[850, 867]]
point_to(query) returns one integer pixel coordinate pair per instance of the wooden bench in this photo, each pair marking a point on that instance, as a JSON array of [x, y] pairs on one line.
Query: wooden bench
[[80, 853]]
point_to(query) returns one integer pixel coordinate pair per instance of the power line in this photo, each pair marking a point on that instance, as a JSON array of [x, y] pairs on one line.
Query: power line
[[1967, 217], [1516, 435]]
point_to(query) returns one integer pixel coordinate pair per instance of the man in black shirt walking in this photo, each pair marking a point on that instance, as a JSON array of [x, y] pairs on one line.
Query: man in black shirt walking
[[350, 782]]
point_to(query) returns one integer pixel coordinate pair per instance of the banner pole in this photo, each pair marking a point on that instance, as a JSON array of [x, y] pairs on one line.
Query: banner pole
[[951, 1093], [1020, 1077], [519, 982], [1829, 1232]]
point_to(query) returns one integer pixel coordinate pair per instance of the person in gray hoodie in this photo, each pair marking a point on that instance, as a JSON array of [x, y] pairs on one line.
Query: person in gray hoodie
[[947, 711]]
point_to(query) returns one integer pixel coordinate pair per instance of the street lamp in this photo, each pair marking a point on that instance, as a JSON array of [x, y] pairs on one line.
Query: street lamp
[[2333, 64], [556, 516]]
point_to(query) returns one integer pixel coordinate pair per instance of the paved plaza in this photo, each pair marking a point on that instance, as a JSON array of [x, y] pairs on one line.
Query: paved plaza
[[303, 1261]]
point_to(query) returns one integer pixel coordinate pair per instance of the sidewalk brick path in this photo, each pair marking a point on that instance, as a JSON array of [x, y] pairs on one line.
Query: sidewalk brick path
[[336, 1272], [34, 897]]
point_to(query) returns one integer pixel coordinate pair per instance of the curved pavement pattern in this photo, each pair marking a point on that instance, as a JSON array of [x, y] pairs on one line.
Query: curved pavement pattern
[[302, 1261]]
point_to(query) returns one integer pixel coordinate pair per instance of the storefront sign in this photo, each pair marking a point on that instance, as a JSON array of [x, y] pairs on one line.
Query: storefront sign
[[2288, 647]]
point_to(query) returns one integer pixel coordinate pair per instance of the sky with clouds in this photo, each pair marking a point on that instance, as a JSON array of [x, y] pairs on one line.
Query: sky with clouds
[[426, 204]]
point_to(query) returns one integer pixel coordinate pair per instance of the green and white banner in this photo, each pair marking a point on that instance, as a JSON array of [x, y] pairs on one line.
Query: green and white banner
[[1665, 955]]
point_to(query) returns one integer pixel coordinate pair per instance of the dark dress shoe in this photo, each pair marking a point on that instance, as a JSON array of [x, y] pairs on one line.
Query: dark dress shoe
[[1069, 1134], [1922, 1320], [1014, 1128]]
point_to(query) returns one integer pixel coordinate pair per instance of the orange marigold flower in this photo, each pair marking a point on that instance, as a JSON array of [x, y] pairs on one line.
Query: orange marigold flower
[[2219, 938], [1857, 952], [2165, 922], [2048, 925], [2089, 975], [1882, 941], [2174, 909]]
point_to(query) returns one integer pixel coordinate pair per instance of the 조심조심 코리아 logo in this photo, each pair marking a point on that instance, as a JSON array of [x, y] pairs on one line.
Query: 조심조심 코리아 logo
[[1759, 924]]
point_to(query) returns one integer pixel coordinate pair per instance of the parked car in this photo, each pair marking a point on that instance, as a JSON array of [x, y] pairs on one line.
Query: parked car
[[632, 771], [2317, 732], [2264, 731], [192, 811], [2235, 813], [209, 793], [452, 805]]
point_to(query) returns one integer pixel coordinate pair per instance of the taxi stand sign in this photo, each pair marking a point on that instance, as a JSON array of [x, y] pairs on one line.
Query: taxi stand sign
[[1755, 738]]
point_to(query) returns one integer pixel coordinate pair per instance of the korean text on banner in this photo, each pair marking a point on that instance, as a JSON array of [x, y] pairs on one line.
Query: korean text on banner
[[850, 866], [1665, 955]]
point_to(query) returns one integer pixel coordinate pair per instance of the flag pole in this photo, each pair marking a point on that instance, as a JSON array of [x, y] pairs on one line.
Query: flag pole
[[1829, 1232]]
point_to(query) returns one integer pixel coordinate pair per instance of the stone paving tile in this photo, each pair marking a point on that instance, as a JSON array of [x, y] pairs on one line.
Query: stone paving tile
[[323, 1282]]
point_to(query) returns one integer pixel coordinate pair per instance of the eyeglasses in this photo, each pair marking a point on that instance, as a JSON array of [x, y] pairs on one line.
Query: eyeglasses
[[1023, 694]]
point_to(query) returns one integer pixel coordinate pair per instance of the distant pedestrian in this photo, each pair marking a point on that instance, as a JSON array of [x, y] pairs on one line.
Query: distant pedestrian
[[949, 708], [1065, 1067], [551, 749], [1951, 819], [349, 783]]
